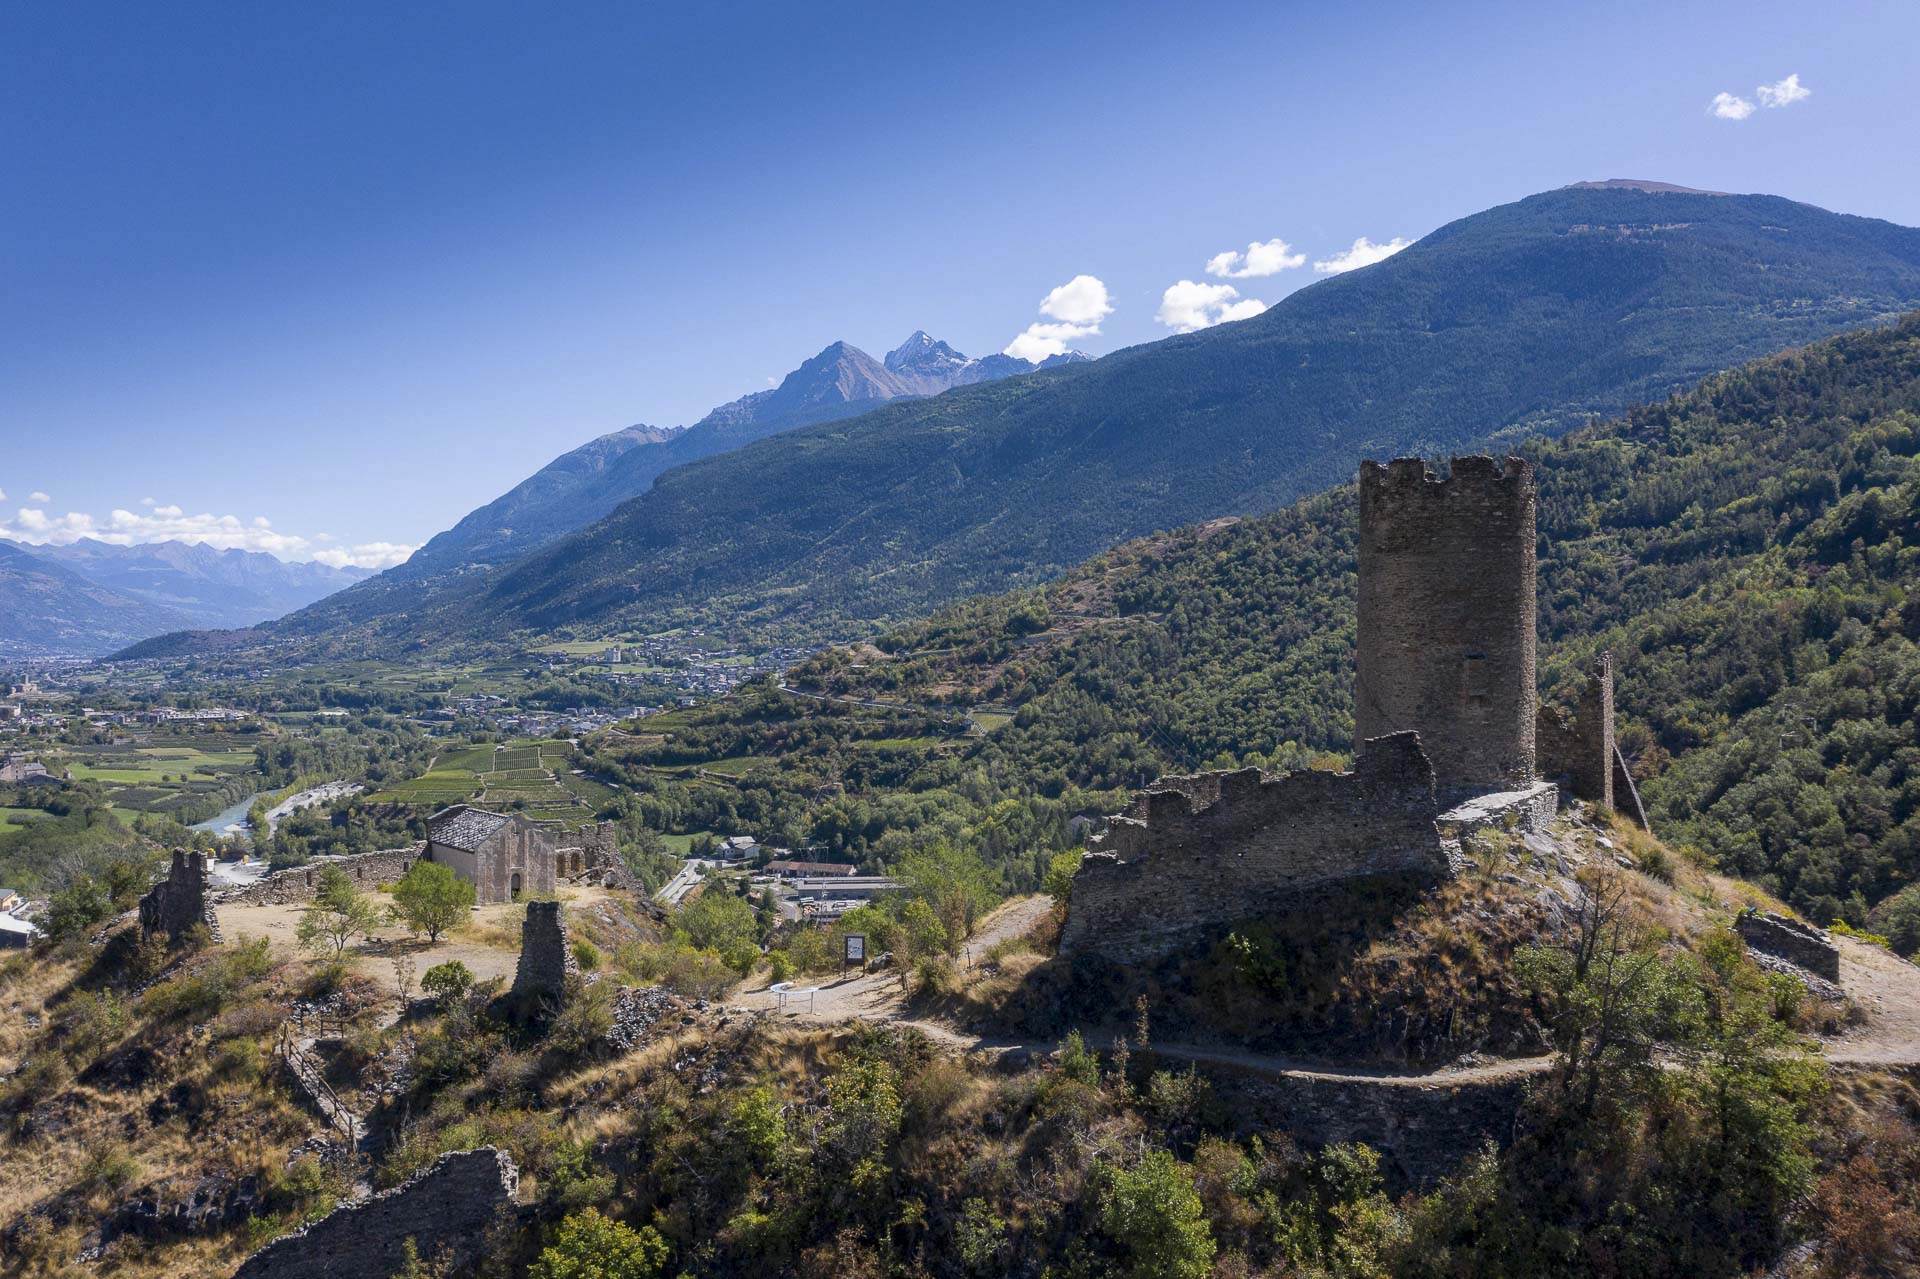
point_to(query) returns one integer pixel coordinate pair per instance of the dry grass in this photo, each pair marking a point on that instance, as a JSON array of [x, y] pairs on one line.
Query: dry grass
[[86, 1143]]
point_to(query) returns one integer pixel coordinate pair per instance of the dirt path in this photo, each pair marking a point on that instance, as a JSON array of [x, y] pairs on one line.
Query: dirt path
[[877, 996], [1888, 988]]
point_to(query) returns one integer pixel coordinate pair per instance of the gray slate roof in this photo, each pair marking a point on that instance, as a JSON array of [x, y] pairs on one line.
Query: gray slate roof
[[467, 829]]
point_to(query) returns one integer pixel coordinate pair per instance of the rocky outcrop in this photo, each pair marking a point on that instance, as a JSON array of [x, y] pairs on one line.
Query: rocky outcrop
[[448, 1211]]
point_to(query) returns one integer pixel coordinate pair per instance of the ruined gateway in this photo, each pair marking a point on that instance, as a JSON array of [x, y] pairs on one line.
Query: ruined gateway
[[1453, 738]]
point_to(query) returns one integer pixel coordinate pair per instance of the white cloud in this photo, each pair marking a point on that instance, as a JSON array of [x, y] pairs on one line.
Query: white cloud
[[1081, 300], [366, 555], [39, 498], [170, 523], [3, 495], [1270, 258], [1726, 106], [1074, 310], [1782, 93], [1364, 252], [1187, 306], [146, 501]]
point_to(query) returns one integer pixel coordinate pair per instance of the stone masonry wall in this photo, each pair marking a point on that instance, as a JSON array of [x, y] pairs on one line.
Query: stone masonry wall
[[1447, 617], [546, 960], [288, 887], [1194, 854], [518, 848], [446, 1210], [181, 901], [1791, 940], [1422, 1131], [1580, 750]]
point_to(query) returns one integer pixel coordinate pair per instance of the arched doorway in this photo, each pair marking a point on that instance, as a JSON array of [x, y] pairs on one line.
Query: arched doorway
[[514, 887]]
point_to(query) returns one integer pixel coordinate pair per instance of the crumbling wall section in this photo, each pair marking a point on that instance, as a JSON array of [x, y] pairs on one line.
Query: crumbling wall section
[[182, 901], [520, 851], [1195, 854], [298, 884], [1799, 944], [447, 1211], [1446, 642], [1580, 751], [1626, 796], [546, 961], [1422, 1130]]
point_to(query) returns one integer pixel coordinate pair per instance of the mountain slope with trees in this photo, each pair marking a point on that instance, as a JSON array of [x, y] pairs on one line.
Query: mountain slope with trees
[[1750, 551], [583, 485], [1522, 320]]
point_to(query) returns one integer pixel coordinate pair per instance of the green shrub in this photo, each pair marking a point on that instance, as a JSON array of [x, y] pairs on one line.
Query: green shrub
[[586, 955], [588, 1245], [448, 982], [586, 1016], [1152, 1211]]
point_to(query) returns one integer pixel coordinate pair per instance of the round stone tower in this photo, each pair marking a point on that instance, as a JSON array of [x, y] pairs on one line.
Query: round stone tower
[[1446, 643]]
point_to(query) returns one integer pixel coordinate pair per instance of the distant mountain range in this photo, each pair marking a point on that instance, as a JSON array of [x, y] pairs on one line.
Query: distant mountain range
[[91, 597], [114, 595], [46, 608], [581, 486], [1527, 319]]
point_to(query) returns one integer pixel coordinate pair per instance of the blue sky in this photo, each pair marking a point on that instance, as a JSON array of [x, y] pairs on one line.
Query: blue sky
[[354, 269]]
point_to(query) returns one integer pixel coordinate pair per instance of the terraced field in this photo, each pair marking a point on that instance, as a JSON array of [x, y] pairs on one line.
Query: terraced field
[[531, 778]]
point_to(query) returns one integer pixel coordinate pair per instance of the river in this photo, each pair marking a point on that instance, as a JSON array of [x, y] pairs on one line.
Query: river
[[234, 816]]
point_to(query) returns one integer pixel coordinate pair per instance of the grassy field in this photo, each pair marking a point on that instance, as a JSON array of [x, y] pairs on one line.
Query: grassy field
[[739, 766], [163, 772]]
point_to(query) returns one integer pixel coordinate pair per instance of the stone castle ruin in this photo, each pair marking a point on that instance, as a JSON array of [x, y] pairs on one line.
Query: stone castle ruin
[[546, 962], [505, 856], [1446, 618], [1452, 737], [180, 902]]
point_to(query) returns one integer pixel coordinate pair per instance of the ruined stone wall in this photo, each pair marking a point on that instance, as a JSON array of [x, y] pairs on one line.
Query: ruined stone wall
[[1789, 939], [288, 887], [1580, 751], [1446, 615], [182, 901], [546, 960], [1422, 1131], [519, 848], [1195, 854], [446, 1210]]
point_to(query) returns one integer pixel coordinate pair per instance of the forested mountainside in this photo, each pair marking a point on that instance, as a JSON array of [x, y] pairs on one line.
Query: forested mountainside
[[1750, 551], [1521, 320], [585, 484]]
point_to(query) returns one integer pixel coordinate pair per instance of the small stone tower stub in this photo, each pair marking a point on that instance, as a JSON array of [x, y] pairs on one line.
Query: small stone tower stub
[[1446, 618]]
